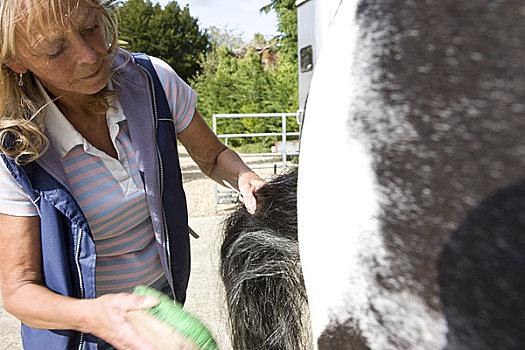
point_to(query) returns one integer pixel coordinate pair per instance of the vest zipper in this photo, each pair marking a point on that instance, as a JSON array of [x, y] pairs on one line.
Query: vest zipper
[[161, 176], [165, 224], [81, 281]]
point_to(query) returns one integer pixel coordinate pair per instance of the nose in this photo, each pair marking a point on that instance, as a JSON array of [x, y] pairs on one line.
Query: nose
[[85, 53]]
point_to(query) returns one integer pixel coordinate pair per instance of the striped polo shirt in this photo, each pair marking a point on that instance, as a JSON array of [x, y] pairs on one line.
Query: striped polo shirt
[[109, 191]]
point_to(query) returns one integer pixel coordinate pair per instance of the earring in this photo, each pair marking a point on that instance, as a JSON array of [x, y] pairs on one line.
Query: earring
[[20, 79]]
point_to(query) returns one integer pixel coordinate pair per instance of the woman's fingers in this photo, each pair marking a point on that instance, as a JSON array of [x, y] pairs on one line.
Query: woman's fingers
[[109, 322], [133, 301], [249, 182]]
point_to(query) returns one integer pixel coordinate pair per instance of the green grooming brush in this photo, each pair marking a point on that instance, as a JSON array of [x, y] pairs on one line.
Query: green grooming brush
[[168, 326]]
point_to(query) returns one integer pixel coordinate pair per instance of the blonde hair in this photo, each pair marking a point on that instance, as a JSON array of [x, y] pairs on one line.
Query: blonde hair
[[21, 126]]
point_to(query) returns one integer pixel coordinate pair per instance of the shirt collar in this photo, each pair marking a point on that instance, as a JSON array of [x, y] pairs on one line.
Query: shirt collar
[[62, 133]]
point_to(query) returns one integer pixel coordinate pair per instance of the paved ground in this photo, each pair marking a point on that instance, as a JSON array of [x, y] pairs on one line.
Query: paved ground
[[9, 331], [206, 298]]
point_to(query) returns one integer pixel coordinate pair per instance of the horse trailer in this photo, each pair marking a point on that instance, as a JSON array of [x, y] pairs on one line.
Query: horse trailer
[[313, 20]]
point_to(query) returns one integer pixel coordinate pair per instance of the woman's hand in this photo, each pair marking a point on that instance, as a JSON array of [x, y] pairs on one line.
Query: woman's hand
[[25, 296], [248, 183], [106, 318], [218, 161]]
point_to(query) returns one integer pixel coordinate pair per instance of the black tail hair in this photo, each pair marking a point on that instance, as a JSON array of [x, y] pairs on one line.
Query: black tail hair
[[262, 274]]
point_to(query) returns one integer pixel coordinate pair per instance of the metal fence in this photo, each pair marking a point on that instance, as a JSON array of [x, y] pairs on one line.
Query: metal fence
[[224, 195]]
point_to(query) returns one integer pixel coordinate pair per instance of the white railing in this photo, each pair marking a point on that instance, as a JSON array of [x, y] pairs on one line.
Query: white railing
[[223, 195]]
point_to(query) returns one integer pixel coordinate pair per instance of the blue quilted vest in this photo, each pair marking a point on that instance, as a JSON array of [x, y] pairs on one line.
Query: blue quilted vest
[[68, 249]]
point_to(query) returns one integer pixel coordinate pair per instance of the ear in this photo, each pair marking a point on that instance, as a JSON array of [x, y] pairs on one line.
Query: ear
[[16, 67]]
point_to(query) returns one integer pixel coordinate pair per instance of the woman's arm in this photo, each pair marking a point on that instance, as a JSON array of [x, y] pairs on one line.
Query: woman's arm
[[218, 161], [26, 297]]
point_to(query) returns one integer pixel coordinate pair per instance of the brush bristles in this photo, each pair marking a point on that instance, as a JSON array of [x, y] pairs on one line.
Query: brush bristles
[[172, 314]]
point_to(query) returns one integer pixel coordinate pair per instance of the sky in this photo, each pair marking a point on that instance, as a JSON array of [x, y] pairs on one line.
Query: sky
[[240, 16]]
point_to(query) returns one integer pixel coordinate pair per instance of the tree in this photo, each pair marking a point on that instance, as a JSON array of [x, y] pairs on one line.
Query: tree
[[287, 17], [231, 82], [170, 34]]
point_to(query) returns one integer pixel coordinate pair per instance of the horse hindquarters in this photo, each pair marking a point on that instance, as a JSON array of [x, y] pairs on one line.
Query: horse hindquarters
[[414, 120]]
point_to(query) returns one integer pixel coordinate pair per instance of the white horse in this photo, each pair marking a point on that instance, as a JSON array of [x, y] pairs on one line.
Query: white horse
[[411, 210]]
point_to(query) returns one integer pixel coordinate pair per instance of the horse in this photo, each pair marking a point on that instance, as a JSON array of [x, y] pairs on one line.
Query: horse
[[411, 187]]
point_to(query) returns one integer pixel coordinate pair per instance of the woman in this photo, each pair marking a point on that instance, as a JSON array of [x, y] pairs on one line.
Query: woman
[[91, 199]]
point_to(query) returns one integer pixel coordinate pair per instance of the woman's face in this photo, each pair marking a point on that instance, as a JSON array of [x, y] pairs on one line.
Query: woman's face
[[74, 59]]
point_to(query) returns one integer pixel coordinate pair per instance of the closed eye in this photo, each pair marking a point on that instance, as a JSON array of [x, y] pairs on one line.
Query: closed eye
[[91, 29], [57, 53]]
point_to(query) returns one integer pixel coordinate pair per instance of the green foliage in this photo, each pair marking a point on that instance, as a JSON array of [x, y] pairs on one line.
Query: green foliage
[[244, 85], [170, 34], [230, 84], [225, 37], [229, 75], [234, 79], [287, 16]]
